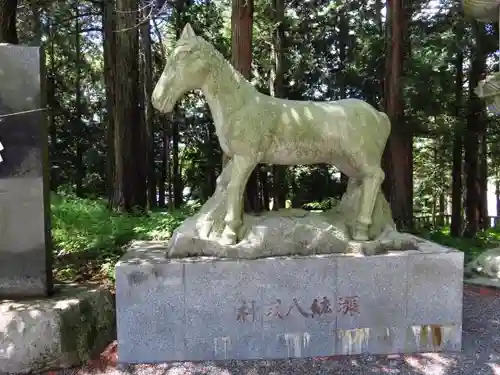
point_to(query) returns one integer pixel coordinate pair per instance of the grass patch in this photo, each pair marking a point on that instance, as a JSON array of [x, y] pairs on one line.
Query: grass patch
[[471, 247], [88, 239], [324, 205]]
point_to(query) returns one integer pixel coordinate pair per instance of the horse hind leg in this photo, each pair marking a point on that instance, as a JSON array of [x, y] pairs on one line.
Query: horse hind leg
[[370, 187]]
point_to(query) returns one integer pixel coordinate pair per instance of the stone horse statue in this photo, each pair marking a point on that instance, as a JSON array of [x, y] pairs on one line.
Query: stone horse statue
[[254, 128]]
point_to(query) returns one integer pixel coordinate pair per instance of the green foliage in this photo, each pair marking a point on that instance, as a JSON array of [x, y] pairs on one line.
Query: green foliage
[[471, 247], [431, 173], [325, 205], [88, 239], [332, 49]]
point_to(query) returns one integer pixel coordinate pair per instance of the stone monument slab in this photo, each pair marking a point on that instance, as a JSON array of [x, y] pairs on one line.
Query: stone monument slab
[[199, 308], [25, 251]]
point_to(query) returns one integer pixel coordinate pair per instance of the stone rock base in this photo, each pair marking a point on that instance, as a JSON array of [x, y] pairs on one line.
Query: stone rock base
[[285, 232], [484, 270], [57, 332], [195, 309]]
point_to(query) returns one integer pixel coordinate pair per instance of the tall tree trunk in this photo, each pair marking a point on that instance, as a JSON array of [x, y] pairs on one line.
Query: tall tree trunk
[[176, 170], [148, 108], [456, 189], [52, 104], [380, 73], [161, 186], [37, 25], [215, 160], [181, 7], [164, 183], [8, 15], [435, 193], [342, 47], [398, 155], [440, 151], [497, 196], [165, 166], [483, 181], [108, 35], [265, 192], [475, 126], [442, 209], [168, 164], [276, 88], [130, 176], [456, 172], [241, 56], [77, 121], [379, 6]]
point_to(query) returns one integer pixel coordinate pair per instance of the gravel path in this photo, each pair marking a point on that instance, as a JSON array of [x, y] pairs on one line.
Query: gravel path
[[480, 355]]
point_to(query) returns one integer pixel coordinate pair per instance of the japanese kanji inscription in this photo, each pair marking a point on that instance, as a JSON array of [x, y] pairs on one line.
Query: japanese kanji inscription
[[348, 305]]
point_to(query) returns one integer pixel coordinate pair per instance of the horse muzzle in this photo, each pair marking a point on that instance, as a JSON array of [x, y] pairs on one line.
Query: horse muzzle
[[162, 104]]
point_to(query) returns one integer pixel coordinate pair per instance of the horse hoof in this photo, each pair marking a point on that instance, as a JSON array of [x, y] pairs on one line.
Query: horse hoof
[[360, 236], [228, 238]]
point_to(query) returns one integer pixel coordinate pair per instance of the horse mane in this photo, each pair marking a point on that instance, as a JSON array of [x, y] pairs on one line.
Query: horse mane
[[221, 62]]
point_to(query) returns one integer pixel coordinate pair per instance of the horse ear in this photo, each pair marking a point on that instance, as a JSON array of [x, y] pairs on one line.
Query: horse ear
[[187, 32]]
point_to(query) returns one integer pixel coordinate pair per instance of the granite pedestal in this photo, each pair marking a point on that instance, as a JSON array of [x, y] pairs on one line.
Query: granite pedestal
[[214, 309]]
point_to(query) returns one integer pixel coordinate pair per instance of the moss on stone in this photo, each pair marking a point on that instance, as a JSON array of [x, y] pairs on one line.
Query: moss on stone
[[87, 326]]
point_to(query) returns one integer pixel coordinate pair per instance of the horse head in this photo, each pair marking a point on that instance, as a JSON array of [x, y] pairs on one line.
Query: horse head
[[186, 69]]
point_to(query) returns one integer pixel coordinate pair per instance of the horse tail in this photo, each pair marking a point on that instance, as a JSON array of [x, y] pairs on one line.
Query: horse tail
[[385, 121], [384, 128]]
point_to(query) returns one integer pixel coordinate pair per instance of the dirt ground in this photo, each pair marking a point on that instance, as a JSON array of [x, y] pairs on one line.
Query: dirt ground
[[480, 355]]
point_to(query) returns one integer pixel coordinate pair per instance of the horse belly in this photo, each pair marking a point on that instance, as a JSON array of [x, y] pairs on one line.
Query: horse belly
[[300, 153], [331, 150], [328, 133]]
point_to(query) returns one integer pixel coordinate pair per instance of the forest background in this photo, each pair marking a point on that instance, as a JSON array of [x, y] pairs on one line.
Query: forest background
[[121, 171]]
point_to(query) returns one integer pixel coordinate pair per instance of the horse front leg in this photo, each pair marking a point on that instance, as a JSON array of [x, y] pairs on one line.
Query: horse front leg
[[214, 209], [240, 172], [370, 187]]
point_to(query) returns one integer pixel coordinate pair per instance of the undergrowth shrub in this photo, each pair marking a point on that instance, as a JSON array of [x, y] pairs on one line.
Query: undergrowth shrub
[[87, 238]]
